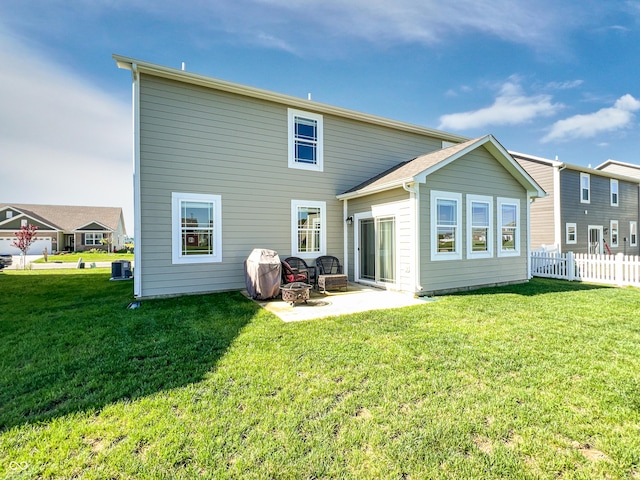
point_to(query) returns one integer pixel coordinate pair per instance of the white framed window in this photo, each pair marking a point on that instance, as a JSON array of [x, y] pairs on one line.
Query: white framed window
[[9, 214], [571, 234], [613, 229], [305, 140], [446, 225], [479, 226], [614, 192], [24, 222], [308, 228], [509, 227], [196, 228], [93, 238], [633, 233], [585, 188]]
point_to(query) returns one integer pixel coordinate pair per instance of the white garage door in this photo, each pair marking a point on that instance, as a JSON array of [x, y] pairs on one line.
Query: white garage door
[[36, 248]]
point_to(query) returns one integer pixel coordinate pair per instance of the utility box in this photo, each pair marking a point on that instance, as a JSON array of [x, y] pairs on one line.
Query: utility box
[[121, 270]]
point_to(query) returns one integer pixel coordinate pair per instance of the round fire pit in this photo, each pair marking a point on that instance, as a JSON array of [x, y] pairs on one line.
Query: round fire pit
[[295, 292]]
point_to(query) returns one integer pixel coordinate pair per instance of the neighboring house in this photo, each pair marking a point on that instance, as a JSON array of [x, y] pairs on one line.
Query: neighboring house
[[63, 227], [621, 168], [586, 211], [221, 169]]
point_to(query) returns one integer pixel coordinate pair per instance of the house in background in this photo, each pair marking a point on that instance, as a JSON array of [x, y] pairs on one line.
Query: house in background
[[587, 210], [222, 168], [620, 168], [63, 227]]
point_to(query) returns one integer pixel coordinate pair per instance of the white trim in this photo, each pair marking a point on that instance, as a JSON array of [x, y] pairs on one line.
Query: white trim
[[137, 210], [557, 220], [345, 237], [295, 204], [588, 177], [600, 230], [575, 233], [612, 182], [292, 114], [177, 257], [502, 201], [617, 224], [633, 228], [471, 199], [457, 253]]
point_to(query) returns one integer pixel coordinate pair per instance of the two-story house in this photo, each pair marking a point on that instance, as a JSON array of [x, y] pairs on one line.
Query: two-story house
[[222, 168], [586, 210]]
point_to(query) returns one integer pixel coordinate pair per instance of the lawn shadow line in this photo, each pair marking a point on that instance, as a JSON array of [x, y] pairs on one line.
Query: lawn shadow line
[[84, 349]]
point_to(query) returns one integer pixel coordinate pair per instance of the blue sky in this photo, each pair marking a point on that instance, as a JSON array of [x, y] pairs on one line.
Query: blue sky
[[547, 78]]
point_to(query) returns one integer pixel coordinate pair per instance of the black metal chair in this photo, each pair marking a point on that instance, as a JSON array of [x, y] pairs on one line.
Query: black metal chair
[[300, 266], [328, 265]]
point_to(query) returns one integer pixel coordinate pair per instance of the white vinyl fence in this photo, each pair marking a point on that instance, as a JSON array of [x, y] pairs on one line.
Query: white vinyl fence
[[617, 269]]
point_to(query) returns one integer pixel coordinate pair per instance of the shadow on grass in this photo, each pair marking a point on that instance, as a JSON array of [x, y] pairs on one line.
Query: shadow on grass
[[69, 343], [537, 286]]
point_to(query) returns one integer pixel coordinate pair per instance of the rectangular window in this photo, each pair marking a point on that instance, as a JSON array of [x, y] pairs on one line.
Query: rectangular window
[[9, 214], [633, 234], [509, 225], [308, 228], [571, 233], [446, 226], [613, 226], [305, 140], [196, 224], [479, 226], [585, 188], [93, 238], [614, 192]]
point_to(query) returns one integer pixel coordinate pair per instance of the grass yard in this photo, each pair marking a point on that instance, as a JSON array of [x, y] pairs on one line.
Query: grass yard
[[533, 381], [87, 257]]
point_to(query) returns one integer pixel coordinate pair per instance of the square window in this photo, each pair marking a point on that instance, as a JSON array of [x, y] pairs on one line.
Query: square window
[[305, 140], [196, 228]]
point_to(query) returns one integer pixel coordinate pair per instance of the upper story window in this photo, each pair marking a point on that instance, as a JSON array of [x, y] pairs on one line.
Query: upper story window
[[585, 188], [196, 228], [479, 226], [614, 192], [446, 225], [305, 140], [9, 214], [509, 225], [308, 228]]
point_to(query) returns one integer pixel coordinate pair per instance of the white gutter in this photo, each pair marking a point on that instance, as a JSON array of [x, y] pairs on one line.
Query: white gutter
[[414, 199], [137, 230]]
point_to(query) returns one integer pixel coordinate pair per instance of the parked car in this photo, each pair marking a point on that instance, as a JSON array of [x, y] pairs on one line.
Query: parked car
[[5, 260]]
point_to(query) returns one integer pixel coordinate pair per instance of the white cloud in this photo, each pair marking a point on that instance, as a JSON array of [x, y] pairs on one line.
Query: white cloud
[[511, 107], [614, 118], [565, 85], [63, 140]]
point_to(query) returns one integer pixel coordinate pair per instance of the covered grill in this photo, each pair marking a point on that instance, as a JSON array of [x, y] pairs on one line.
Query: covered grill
[[262, 274]]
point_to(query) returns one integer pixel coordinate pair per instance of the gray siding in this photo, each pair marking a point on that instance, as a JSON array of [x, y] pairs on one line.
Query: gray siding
[[542, 210], [198, 140], [598, 212], [477, 173]]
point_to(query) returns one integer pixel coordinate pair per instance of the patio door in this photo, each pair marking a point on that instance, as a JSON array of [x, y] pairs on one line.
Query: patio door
[[595, 239], [376, 250]]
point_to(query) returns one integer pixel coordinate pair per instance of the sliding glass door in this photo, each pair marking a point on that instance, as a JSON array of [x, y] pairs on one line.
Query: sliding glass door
[[377, 249]]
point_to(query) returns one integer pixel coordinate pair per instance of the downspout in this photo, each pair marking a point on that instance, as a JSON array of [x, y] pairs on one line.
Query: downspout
[[345, 236], [415, 252], [137, 217], [557, 214]]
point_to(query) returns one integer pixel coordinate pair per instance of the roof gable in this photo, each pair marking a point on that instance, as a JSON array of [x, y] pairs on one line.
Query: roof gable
[[418, 169]]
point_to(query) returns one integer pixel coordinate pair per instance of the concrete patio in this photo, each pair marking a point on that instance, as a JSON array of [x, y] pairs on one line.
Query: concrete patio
[[357, 298]]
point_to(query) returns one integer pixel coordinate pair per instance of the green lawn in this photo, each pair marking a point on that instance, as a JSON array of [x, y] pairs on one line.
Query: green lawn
[[534, 381], [87, 257]]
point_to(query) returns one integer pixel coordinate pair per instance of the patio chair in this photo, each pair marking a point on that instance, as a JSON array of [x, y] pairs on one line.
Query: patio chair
[[300, 266], [289, 275], [330, 273]]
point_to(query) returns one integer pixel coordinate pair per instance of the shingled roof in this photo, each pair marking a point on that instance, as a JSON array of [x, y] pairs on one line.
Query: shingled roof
[[70, 217]]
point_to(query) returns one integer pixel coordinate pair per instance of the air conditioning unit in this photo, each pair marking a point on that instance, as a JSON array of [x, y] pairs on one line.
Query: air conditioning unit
[[121, 270]]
